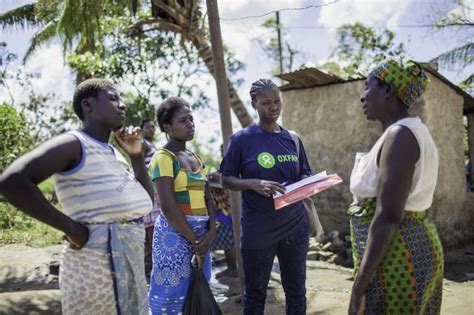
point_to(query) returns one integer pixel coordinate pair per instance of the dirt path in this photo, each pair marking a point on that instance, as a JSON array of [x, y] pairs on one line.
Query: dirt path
[[28, 284]]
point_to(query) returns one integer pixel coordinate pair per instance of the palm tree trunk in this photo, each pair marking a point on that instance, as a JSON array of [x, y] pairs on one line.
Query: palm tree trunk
[[236, 104]]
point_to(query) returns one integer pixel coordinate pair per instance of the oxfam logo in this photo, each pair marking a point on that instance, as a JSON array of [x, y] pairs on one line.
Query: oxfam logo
[[266, 160]]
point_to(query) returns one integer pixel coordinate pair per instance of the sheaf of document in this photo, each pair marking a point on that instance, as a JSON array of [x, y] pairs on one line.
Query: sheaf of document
[[306, 188], [303, 182]]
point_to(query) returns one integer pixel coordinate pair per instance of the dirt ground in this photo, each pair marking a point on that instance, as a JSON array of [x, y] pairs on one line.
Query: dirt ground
[[29, 284]]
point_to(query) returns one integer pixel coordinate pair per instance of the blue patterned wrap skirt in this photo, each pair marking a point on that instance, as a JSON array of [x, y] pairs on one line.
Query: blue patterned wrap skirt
[[171, 273]]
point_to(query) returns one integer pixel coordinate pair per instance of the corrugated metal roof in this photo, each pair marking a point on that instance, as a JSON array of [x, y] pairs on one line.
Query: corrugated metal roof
[[307, 78], [312, 77]]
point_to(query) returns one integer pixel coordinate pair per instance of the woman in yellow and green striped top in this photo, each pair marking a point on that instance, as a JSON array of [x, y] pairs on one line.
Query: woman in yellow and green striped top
[[187, 223], [189, 186]]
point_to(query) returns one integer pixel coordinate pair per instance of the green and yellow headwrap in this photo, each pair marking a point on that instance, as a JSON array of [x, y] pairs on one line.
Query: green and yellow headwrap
[[408, 79]]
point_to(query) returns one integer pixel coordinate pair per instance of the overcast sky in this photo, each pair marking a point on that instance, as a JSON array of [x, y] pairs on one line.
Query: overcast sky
[[310, 31]]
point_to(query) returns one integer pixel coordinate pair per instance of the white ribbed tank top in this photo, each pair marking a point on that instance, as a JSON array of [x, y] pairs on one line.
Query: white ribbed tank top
[[100, 188], [365, 172]]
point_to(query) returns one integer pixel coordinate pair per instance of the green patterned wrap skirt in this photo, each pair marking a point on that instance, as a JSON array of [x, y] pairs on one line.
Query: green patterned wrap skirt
[[409, 280]]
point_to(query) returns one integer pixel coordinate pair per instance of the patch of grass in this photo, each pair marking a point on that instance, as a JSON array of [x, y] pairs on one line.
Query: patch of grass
[[17, 227], [11, 218], [39, 235], [47, 187]]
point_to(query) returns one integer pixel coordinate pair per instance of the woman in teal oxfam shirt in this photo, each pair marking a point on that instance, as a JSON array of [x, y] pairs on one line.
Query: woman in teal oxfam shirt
[[259, 160]]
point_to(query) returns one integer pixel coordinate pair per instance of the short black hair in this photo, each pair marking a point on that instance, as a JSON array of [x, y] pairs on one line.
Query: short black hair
[[167, 110], [260, 85], [144, 121], [88, 88]]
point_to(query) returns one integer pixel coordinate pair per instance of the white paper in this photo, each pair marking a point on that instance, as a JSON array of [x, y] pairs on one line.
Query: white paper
[[303, 182]]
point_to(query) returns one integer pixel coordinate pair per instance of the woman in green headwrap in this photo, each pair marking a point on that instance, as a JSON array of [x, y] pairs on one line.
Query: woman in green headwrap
[[398, 257]]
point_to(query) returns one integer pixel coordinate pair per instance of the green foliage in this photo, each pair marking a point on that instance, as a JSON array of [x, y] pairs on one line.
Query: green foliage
[[233, 66], [269, 44], [468, 84], [460, 16], [14, 139], [47, 10], [40, 38], [45, 115], [462, 56], [334, 68], [17, 227], [79, 17], [21, 16], [39, 235], [11, 218], [360, 48], [466, 139], [212, 159], [43, 13], [138, 108], [150, 46], [47, 188], [149, 63]]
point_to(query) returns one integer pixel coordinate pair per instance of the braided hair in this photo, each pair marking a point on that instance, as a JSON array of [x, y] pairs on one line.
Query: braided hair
[[259, 86]]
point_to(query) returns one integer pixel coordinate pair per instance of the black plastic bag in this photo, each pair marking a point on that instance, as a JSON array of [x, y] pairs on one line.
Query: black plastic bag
[[199, 300]]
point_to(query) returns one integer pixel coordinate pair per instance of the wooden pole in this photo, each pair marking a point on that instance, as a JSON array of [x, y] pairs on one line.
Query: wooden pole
[[280, 50], [224, 111]]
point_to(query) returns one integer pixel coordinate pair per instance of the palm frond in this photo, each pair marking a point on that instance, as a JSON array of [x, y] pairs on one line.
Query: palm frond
[[462, 55], [40, 38], [22, 17], [48, 10], [468, 81], [468, 85], [67, 26], [79, 18]]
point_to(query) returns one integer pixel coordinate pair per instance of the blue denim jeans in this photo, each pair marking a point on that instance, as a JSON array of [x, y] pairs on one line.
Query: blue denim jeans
[[291, 252]]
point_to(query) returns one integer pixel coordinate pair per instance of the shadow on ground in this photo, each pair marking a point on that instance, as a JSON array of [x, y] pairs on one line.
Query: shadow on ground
[[28, 285], [31, 302], [459, 264]]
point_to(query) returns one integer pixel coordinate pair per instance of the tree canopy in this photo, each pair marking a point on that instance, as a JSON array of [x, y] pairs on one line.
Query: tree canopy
[[113, 34], [461, 18], [360, 48]]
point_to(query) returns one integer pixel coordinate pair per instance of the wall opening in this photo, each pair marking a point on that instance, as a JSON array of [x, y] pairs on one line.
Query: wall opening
[[468, 140]]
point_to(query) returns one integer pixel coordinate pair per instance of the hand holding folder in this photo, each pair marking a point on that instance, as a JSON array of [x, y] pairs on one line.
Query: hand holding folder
[[305, 188]]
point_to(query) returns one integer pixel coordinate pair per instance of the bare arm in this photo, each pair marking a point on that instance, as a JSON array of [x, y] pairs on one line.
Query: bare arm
[[141, 173], [398, 157], [19, 184], [204, 242], [145, 148], [165, 188], [263, 187], [211, 209], [130, 141]]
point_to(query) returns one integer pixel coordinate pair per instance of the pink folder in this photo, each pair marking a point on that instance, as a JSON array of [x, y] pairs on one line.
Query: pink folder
[[305, 188]]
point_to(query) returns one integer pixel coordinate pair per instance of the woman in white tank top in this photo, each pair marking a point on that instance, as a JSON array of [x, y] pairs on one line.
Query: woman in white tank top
[[398, 258]]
